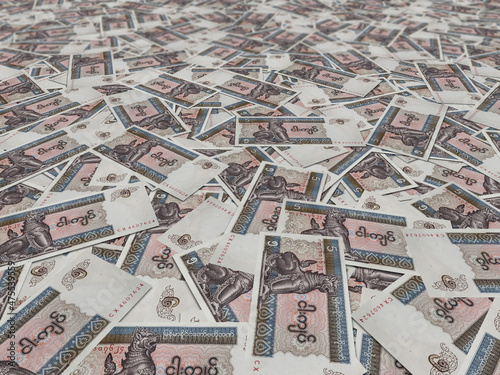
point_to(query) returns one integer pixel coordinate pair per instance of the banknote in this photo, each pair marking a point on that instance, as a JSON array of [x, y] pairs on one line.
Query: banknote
[[221, 136], [197, 74], [418, 88], [104, 44], [157, 60], [253, 19], [333, 78], [41, 71], [59, 63], [18, 59], [150, 114], [465, 265], [312, 95], [50, 32], [405, 48], [175, 169], [466, 177], [485, 65], [117, 24], [144, 255], [483, 357], [53, 172], [19, 88], [207, 221], [108, 172], [214, 56], [40, 181], [90, 68], [37, 275], [408, 195], [450, 50], [62, 121], [401, 69], [339, 165], [169, 300], [487, 111], [339, 195], [375, 358], [409, 126], [74, 180], [276, 156], [194, 119], [391, 203], [448, 83], [172, 89], [21, 163], [493, 137], [364, 283], [261, 206], [37, 49], [11, 280], [425, 334], [376, 173], [161, 35], [254, 91], [173, 349], [380, 33], [371, 239], [107, 252], [112, 89], [18, 198], [59, 326], [217, 100], [43, 107], [43, 232], [97, 129], [459, 30], [222, 284], [306, 156], [243, 44], [367, 110], [459, 140], [249, 109], [242, 166], [285, 38], [355, 62], [262, 131], [300, 284], [272, 184], [463, 209]]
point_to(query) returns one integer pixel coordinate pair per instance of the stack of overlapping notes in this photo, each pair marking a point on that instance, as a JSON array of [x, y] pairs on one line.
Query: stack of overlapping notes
[[217, 187]]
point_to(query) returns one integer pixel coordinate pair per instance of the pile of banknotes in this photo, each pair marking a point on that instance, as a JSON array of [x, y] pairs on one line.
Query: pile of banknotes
[[239, 187]]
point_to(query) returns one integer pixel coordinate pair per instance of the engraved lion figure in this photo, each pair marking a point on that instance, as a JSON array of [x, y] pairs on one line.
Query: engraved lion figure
[[138, 358], [35, 234], [222, 285], [293, 277], [12, 368]]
